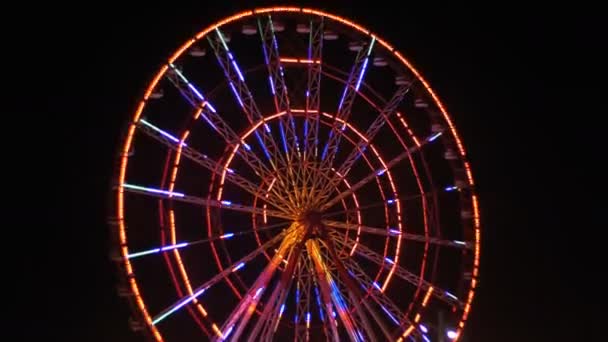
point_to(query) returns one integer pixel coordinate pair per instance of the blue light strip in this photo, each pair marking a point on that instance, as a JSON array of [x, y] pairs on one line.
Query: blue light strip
[[283, 137], [178, 306], [362, 73], [390, 315], [435, 136], [451, 295], [157, 191], [156, 250], [236, 94], [227, 236], [161, 131]]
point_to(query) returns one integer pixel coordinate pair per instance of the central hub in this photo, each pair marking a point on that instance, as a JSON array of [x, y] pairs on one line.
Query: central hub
[[311, 220]]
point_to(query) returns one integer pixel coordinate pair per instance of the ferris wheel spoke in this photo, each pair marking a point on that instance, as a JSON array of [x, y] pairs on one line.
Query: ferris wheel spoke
[[215, 279], [378, 204], [330, 290], [355, 295], [303, 297], [313, 90], [278, 87], [239, 317], [367, 283], [208, 163], [327, 317], [351, 88], [401, 272], [399, 234], [380, 171], [269, 317], [236, 81], [206, 111], [389, 109], [320, 279], [225, 236], [280, 94], [180, 197]]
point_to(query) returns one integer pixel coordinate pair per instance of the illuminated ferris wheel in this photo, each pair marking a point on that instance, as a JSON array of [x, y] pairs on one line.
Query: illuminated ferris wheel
[[288, 175]]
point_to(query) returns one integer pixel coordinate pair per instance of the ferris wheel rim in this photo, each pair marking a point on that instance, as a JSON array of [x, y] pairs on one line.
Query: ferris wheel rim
[[132, 126]]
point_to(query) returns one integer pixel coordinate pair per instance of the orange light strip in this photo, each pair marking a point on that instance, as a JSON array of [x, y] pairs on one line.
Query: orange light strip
[[217, 331], [267, 193], [172, 224], [277, 9], [352, 251], [408, 129], [427, 296], [299, 60], [408, 331], [336, 18]]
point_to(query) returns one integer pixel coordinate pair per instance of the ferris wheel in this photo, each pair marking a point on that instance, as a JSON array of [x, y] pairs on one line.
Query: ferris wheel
[[289, 175]]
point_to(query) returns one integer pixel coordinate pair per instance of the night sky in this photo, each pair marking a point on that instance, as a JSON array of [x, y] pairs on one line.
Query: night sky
[[521, 84]]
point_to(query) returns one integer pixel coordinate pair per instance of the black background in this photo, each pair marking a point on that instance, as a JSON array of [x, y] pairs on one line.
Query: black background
[[523, 85]]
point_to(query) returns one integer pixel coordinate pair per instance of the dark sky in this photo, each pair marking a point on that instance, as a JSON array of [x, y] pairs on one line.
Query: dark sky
[[521, 83]]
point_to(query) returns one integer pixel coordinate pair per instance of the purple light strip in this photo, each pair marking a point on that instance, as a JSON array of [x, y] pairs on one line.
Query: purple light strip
[[236, 67], [227, 236], [196, 92], [236, 94], [362, 73], [228, 332], [157, 250], [178, 306], [161, 131], [435, 136], [271, 85], [394, 232], [210, 107], [390, 315], [156, 191], [238, 267]]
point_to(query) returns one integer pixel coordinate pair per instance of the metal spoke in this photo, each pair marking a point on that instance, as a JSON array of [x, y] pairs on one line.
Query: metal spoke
[[225, 236], [379, 172], [277, 298], [399, 234], [218, 277], [389, 109], [330, 291], [401, 272], [313, 90], [240, 316], [245, 99], [278, 87], [345, 105], [180, 197], [377, 204], [355, 295], [367, 283], [211, 116], [208, 163]]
